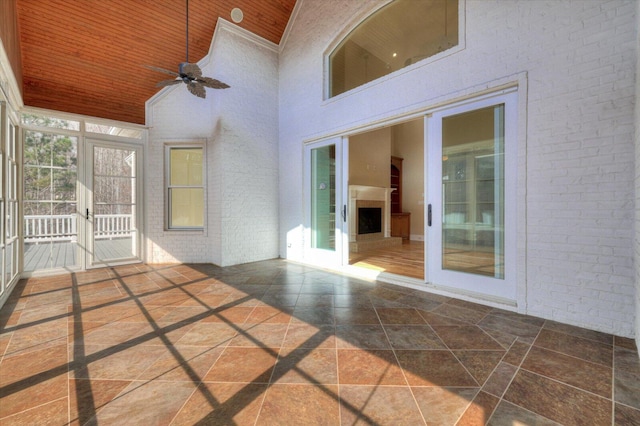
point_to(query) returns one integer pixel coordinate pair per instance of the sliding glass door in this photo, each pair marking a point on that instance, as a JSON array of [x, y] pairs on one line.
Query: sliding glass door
[[326, 229], [472, 191]]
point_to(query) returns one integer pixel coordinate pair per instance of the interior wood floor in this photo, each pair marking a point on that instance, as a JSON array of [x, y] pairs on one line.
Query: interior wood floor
[[406, 259]]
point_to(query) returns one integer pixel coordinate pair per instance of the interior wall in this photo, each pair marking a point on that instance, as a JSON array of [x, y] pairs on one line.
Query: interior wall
[[370, 158], [575, 65], [408, 144]]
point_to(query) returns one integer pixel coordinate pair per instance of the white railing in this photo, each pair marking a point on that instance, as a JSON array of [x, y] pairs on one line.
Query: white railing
[[50, 228], [108, 226], [39, 228]]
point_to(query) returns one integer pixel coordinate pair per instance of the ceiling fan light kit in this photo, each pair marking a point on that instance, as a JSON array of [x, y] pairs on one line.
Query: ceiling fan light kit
[[190, 74]]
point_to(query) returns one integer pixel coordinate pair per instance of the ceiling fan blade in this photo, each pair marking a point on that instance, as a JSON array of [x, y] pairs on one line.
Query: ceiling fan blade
[[197, 89], [165, 83], [162, 70], [191, 70], [212, 83]]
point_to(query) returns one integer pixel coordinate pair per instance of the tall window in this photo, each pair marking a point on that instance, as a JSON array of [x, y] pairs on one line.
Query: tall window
[[185, 187], [398, 35]]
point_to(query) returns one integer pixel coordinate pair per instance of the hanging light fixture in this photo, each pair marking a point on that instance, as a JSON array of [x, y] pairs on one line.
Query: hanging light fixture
[[189, 73]]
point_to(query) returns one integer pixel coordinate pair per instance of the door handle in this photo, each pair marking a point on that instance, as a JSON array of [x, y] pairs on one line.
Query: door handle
[[87, 214], [429, 214], [344, 213]]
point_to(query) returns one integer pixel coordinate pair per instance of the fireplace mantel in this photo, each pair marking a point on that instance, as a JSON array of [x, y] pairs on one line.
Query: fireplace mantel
[[369, 193]]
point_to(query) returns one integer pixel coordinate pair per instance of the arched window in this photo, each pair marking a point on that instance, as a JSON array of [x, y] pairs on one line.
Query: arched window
[[396, 36]]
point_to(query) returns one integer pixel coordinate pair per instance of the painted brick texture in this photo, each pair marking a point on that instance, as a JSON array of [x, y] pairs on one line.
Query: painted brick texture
[[576, 165], [238, 127]]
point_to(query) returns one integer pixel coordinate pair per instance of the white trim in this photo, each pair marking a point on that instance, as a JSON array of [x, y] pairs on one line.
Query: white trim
[[81, 118], [322, 257], [288, 28], [168, 146], [418, 284], [221, 25], [224, 25], [505, 288], [488, 89], [86, 231]]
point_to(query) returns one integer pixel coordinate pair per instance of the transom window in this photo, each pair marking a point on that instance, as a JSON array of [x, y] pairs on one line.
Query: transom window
[[396, 36]]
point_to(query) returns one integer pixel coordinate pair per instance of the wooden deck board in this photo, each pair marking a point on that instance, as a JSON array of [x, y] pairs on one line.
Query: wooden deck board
[[61, 254]]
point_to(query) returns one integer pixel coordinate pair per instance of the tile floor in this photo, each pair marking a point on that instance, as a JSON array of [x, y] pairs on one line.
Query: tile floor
[[277, 343]]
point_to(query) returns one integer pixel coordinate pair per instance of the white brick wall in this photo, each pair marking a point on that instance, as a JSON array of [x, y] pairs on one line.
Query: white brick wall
[[637, 179], [239, 126], [580, 59]]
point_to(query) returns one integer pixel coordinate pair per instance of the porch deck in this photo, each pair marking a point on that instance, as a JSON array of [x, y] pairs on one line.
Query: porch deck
[[60, 254]]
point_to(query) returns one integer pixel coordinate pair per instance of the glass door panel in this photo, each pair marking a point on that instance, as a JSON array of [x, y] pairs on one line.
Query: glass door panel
[[325, 232], [472, 191], [323, 198], [112, 215]]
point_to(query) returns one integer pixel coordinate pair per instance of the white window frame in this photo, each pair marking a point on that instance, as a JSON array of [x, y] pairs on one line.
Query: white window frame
[[167, 186]]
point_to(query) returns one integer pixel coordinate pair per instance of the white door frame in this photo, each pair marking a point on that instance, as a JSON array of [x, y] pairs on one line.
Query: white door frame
[[86, 215], [500, 290], [339, 256]]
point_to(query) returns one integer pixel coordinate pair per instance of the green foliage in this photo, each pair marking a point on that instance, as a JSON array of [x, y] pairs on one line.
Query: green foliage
[[50, 170]]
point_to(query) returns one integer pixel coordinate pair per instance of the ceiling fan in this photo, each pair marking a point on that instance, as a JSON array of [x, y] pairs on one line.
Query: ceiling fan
[[190, 74]]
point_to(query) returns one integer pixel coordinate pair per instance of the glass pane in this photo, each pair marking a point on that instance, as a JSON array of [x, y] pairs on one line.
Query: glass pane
[[37, 183], [113, 130], [64, 184], [37, 148], [323, 198], [398, 35], [114, 204], [113, 190], [186, 166], [113, 162], [473, 192], [44, 121], [187, 207], [114, 248], [114, 209]]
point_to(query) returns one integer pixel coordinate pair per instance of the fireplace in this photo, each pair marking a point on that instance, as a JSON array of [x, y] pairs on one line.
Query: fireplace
[[369, 220]]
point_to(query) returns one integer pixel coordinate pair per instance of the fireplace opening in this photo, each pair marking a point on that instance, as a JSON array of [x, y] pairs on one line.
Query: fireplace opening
[[369, 220]]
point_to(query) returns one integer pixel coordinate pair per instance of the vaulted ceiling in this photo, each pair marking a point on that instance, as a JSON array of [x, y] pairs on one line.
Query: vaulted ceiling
[[88, 57]]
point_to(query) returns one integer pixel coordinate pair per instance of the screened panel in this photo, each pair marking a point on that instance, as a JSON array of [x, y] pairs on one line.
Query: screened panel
[[50, 195]]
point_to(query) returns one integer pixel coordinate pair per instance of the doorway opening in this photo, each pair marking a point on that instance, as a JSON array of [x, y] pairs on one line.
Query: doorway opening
[[386, 173]]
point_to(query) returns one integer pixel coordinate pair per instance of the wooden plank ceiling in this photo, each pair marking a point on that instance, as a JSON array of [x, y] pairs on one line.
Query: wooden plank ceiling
[[88, 56]]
